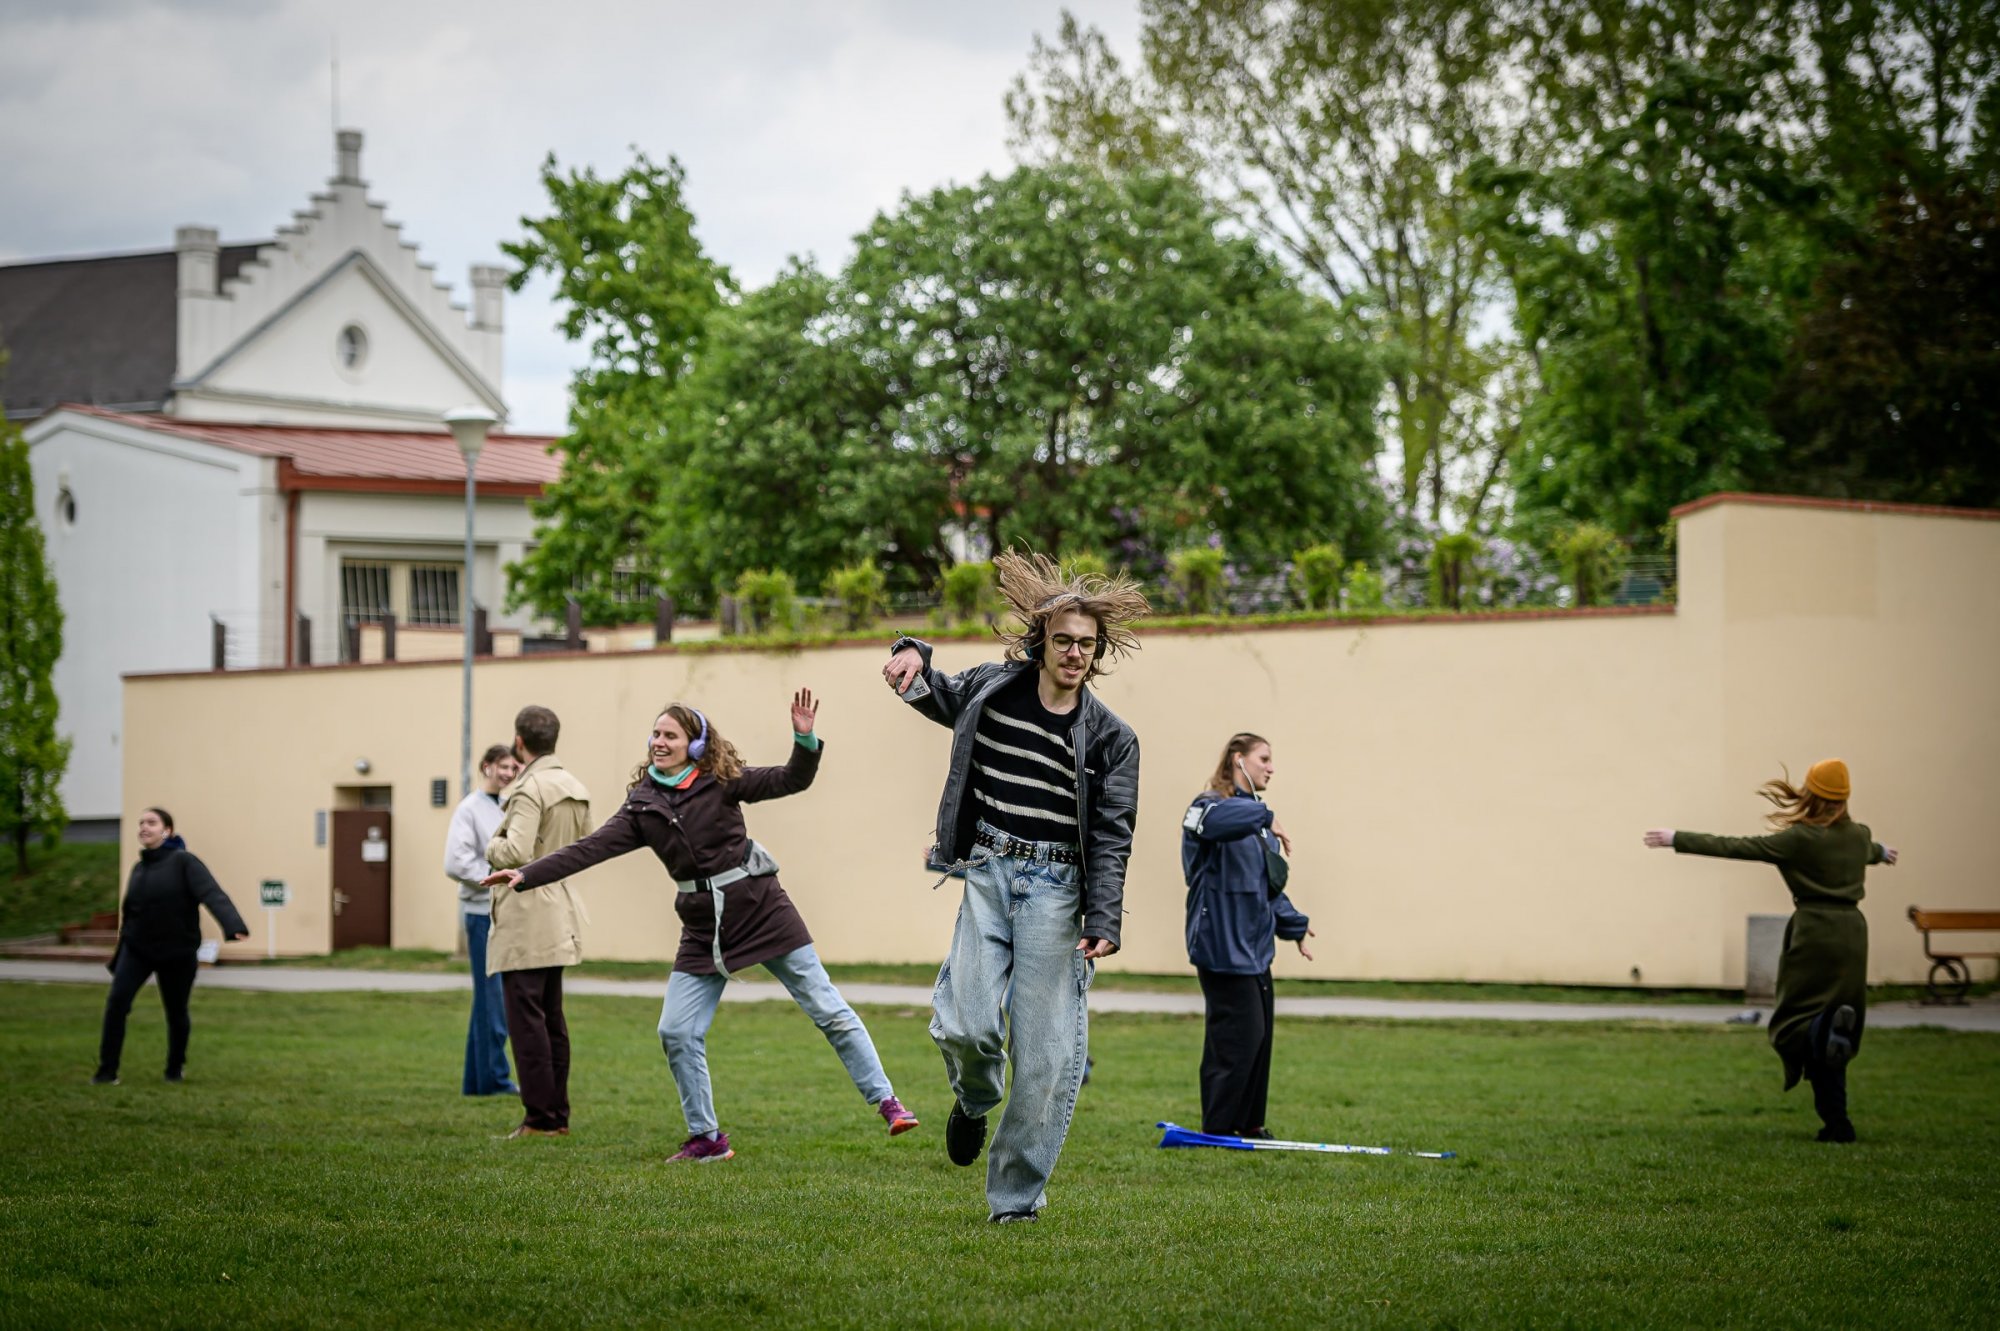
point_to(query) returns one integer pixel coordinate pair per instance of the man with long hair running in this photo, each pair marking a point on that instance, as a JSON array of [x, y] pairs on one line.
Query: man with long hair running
[[1038, 810]]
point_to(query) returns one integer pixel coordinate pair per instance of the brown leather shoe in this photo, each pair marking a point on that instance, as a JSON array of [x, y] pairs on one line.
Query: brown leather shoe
[[525, 1131]]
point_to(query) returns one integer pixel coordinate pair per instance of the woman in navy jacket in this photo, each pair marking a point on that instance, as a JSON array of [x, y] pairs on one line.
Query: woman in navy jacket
[[1233, 920]]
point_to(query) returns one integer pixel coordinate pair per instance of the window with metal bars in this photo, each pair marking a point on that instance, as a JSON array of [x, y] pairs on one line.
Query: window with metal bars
[[365, 592], [434, 595]]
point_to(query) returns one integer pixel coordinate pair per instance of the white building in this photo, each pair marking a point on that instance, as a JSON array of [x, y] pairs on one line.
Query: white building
[[249, 436]]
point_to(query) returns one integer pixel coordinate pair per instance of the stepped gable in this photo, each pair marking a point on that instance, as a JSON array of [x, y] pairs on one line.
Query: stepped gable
[[342, 226]]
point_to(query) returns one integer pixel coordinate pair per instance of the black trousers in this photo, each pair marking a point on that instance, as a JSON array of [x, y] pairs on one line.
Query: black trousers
[[1828, 1077], [176, 974], [1236, 1052], [540, 1037]]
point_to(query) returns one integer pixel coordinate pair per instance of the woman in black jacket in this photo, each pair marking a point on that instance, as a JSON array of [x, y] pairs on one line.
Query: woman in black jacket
[[158, 933]]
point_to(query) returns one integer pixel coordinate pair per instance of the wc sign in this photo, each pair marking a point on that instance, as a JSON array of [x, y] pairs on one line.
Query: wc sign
[[274, 894]]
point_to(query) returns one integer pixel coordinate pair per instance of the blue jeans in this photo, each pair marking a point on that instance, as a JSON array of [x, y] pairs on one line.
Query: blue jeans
[[1013, 987], [486, 1038], [690, 1009]]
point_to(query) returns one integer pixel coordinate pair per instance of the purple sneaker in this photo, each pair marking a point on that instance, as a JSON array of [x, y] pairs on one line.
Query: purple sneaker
[[703, 1150], [899, 1119]]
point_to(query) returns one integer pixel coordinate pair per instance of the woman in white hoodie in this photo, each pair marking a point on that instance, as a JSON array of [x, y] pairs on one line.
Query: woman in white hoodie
[[472, 825]]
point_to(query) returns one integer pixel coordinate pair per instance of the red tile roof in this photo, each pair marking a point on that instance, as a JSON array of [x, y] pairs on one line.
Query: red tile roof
[[344, 458]]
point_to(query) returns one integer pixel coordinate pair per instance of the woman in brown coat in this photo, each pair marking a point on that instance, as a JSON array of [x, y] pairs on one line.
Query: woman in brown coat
[[686, 806], [1822, 854]]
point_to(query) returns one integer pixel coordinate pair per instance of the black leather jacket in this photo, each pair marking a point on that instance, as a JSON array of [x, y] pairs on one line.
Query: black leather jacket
[[1107, 792]]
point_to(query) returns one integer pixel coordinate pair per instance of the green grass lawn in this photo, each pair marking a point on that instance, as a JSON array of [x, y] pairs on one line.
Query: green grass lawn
[[65, 885], [319, 1167]]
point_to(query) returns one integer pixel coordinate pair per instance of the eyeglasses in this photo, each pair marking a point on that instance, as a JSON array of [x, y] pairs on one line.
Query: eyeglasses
[[1064, 645]]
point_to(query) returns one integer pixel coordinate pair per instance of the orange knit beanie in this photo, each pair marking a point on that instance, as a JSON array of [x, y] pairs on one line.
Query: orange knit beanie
[[1828, 779]]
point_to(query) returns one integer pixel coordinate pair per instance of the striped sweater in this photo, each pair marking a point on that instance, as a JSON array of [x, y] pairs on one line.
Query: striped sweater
[[1023, 767]]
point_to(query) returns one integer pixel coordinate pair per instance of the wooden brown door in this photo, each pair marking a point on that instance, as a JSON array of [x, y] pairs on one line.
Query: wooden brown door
[[360, 878]]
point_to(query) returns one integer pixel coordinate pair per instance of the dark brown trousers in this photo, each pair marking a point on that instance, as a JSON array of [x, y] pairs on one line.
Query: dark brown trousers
[[540, 1038]]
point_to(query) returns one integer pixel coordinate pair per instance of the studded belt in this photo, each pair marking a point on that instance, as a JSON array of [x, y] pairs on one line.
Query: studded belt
[[1015, 848]]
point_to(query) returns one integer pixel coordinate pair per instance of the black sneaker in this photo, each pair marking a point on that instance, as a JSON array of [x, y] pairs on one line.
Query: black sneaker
[[1836, 1132], [104, 1079], [1840, 1036], [1015, 1218], [964, 1135], [174, 1076]]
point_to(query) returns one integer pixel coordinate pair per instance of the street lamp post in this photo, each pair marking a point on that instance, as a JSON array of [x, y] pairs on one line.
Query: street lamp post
[[468, 426]]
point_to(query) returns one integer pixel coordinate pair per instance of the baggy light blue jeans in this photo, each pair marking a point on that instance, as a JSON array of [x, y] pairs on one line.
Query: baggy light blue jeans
[[1014, 986], [690, 1009], [486, 1035]]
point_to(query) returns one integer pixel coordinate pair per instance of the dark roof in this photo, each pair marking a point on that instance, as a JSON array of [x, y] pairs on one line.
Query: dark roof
[[98, 330]]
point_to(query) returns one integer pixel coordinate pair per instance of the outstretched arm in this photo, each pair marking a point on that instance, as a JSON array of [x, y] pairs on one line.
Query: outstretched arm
[[1773, 849], [619, 836]]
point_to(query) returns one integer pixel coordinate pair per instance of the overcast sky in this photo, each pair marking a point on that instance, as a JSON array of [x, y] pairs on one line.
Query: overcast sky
[[797, 121]]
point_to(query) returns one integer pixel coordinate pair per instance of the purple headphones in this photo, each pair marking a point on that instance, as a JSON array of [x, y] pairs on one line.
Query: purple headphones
[[699, 744]]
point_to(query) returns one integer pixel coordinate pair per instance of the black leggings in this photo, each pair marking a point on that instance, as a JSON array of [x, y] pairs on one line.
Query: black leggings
[[176, 974]]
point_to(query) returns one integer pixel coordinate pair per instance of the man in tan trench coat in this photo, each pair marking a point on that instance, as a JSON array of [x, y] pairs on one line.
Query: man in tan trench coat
[[536, 934]]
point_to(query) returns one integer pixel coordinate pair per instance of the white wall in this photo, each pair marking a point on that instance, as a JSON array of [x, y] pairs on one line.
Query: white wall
[[168, 531]]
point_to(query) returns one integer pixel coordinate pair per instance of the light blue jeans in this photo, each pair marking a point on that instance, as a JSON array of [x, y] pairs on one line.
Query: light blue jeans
[[690, 1009], [1014, 986]]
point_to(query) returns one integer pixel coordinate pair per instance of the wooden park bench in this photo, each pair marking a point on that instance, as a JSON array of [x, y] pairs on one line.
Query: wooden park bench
[[1956, 975]]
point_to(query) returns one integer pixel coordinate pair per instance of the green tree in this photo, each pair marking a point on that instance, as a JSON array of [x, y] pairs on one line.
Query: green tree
[[1747, 245], [1340, 134], [1196, 574], [1362, 590], [1454, 570], [1889, 387], [1089, 360], [33, 756], [783, 452], [969, 591], [769, 601], [1316, 576], [1593, 562], [1655, 275], [862, 592], [638, 287]]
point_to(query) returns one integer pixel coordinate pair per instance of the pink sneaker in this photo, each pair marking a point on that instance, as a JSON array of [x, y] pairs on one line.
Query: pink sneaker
[[899, 1119], [703, 1150]]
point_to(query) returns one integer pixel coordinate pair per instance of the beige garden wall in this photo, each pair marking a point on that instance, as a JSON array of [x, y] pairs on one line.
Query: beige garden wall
[[1466, 797]]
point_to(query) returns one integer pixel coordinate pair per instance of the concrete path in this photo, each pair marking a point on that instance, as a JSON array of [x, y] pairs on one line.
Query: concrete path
[[1982, 1015]]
